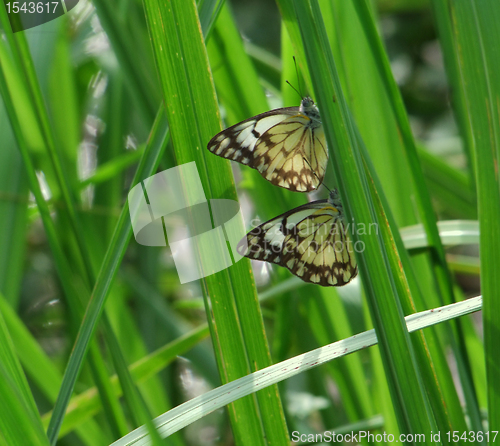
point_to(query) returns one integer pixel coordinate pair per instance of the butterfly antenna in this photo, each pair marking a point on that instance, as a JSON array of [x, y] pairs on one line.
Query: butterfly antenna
[[299, 91], [327, 188], [298, 77], [316, 175], [294, 89]]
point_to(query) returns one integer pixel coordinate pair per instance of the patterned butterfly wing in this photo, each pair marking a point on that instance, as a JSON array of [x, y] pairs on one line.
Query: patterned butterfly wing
[[319, 250], [287, 146], [311, 241]]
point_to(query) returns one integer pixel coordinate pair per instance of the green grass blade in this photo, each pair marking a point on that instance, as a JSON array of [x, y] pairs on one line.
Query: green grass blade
[[113, 412], [422, 197], [442, 274], [109, 268], [19, 420], [241, 94], [450, 186], [234, 315], [386, 313], [42, 371], [476, 35], [451, 56], [87, 404], [142, 81], [371, 106]]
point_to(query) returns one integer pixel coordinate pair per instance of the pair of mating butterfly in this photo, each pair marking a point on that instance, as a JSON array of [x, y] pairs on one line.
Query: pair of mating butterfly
[[287, 146]]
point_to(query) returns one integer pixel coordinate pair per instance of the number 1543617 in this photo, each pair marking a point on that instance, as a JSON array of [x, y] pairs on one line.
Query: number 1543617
[[32, 7]]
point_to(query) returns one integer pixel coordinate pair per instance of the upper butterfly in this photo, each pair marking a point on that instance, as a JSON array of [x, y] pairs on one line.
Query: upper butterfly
[[287, 146], [312, 241]]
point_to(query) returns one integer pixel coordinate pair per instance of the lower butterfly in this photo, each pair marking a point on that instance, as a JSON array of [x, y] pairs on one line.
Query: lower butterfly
[[287, 146], [312, 241]]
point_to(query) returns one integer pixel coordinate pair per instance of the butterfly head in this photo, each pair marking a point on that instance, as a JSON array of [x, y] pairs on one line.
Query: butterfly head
[[308, 108], [335, 200]]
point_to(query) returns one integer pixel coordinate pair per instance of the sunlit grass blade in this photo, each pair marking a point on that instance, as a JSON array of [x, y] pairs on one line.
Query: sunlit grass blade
[[241, 96], [375, 85], [422, 196], [352, 47], [231, 302]]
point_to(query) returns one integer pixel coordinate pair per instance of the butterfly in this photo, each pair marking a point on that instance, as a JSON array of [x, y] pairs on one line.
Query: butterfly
[[312, 241], [287, 146]]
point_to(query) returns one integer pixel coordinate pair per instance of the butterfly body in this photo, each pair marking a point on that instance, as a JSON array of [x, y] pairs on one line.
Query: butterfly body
[[309, 109], [312, 241], [287, 146]]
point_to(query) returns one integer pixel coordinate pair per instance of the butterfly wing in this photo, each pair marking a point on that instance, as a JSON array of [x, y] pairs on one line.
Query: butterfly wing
[[292, 154], [281, 144], [265, 242], [311, 241], [319, 250]]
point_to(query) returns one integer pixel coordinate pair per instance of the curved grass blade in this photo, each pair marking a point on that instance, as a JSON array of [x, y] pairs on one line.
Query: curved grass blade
[[198, 407]]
